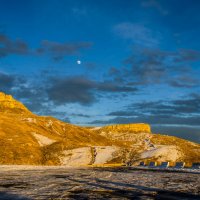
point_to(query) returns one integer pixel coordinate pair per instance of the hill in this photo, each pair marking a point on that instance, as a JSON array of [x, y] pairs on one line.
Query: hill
[[26, 138], [146, 146]]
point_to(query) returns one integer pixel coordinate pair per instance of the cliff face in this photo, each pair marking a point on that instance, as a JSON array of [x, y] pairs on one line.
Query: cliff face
[[9, 104], [126, 132], [131, 128]]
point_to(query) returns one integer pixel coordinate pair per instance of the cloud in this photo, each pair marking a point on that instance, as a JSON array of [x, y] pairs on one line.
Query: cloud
[[81, 90], [71, 90], [137, 33], [113, 87], [50, 92], [80, 115], [6, 81], [125, 113], [10, 47], [147, 66], [184, 81], [156, 5], [59, 50], [185, 55], [180, 107], [154, 120], [32, 95], [55, 50]]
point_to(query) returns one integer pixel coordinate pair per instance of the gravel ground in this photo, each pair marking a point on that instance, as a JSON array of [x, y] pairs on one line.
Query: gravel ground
[[26, 183]]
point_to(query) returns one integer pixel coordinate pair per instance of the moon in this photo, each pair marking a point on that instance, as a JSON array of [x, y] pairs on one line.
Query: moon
[[78, 62]]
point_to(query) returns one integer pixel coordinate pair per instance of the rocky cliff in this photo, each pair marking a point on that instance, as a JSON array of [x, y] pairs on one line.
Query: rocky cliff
[[134, 133], [130, 128]]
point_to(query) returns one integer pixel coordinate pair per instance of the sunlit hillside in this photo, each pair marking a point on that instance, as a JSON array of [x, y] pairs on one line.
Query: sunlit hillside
[[26, 138]]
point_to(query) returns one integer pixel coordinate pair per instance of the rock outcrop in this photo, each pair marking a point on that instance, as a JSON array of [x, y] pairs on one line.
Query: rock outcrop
[[134, 133], [9, 104], [130, 128]]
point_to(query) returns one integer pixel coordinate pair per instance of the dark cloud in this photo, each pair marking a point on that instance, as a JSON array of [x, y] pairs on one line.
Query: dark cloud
[[185, 55], [34, 97], [54, 49], [59, 50], [10, 47], [175, 108], [6, 81], [81, 90], [184, 82], [151, 119], [152, 66], [71, 90], [113, 87]]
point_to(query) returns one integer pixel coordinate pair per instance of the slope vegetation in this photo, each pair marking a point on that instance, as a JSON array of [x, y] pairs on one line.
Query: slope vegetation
[[26, 138]]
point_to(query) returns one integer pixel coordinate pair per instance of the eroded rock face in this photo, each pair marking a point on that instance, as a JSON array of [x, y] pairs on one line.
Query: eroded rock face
[[8, 103], [127, 132]]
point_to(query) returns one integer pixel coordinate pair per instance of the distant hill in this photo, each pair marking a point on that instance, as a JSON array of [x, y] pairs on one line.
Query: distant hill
[[26, 138]]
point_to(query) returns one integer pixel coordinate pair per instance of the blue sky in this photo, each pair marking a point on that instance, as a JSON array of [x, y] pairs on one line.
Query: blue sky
[[139, 61]]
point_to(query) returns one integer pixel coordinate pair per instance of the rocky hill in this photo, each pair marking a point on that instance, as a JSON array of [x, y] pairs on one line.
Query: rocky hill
[[9, 104], [126, 132], [146, 146], [26, 138]]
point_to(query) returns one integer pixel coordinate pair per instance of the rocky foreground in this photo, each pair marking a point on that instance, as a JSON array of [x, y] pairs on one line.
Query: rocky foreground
[[26, 183]]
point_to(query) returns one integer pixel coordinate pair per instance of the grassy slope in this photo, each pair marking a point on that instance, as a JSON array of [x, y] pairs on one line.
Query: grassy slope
[[19, 146]]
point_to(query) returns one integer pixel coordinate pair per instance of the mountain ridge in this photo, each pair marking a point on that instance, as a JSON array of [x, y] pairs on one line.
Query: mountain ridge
[[26, 138]]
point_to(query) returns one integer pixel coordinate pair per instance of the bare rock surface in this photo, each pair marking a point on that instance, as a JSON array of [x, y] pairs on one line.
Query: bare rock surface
[[163, 153], [75, 157], [27, 182]]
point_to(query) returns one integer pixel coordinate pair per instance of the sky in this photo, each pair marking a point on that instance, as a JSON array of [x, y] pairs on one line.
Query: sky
[[98, 62]]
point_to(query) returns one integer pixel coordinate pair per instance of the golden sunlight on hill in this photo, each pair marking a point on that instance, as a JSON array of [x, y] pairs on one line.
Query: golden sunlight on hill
[[26, 138]]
